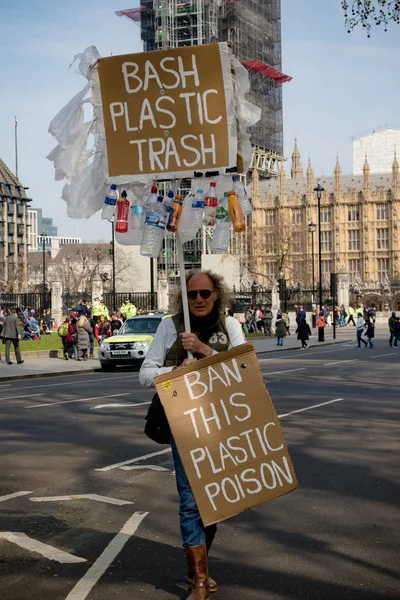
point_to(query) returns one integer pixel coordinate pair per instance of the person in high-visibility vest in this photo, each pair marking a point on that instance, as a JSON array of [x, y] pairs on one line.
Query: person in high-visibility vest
[[104, 310], [351, 312], [128, 309], [96, 309]]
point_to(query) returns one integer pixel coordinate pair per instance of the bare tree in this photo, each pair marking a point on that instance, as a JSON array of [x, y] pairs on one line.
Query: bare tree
[[367, 13]]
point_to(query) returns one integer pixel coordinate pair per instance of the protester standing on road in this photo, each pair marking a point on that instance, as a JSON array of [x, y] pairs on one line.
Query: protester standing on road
[[370, 332], [212, 332], [280, 329], [12, 334], [303, 333], [360, 330], [391, 323], [321, 327]]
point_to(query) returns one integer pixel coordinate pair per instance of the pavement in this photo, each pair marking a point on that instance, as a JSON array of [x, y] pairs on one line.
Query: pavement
[[89, 509], [35, 366]]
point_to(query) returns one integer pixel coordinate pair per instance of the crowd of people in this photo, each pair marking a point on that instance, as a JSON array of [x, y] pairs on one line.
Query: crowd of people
[[88, 324]]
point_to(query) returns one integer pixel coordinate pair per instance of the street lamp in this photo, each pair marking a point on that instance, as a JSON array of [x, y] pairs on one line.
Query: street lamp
[[312, 229], [319, 189], [43, 240], [113, 265], [282, 291]]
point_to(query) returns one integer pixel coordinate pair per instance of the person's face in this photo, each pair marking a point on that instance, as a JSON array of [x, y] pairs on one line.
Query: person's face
[[198, 306]]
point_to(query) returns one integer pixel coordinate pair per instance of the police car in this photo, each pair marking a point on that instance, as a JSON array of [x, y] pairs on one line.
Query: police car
[[131, 344]]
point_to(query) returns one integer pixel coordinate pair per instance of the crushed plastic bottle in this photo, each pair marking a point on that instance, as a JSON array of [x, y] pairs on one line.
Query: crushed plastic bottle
[[222, 232], [154, 228], [110, 202], [241, 195]]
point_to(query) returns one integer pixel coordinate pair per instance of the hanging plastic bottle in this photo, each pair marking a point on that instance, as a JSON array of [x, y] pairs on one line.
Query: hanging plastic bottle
[[136, 214], [175, 214], [154, 228], [168, 202], [236, 213], [197, 210], [222, 232], [151, 199], [241, 195], [210, 206], [109, 203], [122, 214]]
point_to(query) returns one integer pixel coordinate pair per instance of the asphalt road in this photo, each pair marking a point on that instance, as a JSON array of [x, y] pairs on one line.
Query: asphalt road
[[336, 537]]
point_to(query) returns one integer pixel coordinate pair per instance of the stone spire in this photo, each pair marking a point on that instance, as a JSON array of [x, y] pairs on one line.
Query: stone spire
[[310, 180], [296, 171], [367, 181], [395, 179], [255, 190], [282, 182], [338, 175]]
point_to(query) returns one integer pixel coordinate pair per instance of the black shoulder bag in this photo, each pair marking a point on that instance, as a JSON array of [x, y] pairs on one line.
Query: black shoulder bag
[[157, 427]]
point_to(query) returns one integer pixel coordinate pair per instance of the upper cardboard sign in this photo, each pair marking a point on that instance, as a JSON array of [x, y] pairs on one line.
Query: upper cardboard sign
[[227, 433], [168, 112]]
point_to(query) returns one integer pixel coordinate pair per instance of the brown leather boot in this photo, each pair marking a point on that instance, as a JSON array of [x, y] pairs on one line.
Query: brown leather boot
[[197, 563]]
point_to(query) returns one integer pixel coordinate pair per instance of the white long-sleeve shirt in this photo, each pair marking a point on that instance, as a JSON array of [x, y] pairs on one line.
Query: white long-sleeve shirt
[[164, 339], [360, 323]]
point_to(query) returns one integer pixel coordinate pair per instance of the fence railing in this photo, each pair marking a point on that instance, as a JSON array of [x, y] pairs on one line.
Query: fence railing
[[144, 300], [30, 300]]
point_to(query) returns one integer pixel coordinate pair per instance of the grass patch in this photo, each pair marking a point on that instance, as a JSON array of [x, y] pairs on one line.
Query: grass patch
[[47, 342]]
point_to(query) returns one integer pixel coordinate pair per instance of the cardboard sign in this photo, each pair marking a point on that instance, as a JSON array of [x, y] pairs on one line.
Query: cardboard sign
[[168, 112], [227, 432]]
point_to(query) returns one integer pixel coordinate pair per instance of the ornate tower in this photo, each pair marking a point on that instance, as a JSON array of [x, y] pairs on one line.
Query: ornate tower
[[338, 175], [282, 183], [395, 179], [296, 171], [367, 181]]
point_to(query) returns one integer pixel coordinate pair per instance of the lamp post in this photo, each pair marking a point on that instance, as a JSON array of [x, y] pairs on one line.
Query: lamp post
[[312, 228], [282, 291], [319, 189], [113, 265], [43, 240]]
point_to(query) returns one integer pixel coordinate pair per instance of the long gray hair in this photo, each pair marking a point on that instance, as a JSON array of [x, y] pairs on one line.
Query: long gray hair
[[219, 286]]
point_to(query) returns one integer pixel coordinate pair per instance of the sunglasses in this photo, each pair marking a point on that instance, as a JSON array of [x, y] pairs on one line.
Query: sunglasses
[[205, 294]]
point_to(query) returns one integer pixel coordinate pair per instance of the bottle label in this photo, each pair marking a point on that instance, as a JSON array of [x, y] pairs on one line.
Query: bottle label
[[156, 220], [197, 203], [222, 213], [138, 209], [110, 201], [210, 201]]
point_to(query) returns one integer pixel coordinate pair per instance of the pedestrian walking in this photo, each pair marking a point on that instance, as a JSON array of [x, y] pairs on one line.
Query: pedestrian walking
[[351, 311], [286, 319], [303, 333], [69, 340], [11, 335], [84, 330], [391, 323], [267, 321], [280, 329], [396, 331], [321, 326], [301, 314], [212, 332], [370, 332], [360, 329]]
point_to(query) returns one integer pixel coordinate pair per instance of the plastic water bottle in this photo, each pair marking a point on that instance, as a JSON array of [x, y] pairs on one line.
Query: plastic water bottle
[[241, 194], [197, 210], [222, 232], [154, 228], [210, 206], [136, 215], [168, 202], [110, 202], [151, 199]]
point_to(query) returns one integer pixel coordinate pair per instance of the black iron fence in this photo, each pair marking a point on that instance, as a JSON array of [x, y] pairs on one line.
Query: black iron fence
[[145, 300], [71, 301], [31, 300], [241, 300]]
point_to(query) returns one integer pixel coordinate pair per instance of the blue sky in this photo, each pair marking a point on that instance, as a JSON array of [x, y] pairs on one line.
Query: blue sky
[[343, 85]]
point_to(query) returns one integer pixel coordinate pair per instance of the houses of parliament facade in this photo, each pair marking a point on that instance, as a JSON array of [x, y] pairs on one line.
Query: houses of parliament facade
[[359, 226]]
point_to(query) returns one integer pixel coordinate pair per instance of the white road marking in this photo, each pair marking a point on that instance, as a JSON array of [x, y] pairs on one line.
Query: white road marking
[[5, 385], [86, 583], [379, 355], [96, 497], [99, 379], [143, 467], [116, 405], [25, 396], [24, 541], [310, 407], [339, 362], [294, 355], [133, 460], [45, 404], [288, 371], [15, 495]]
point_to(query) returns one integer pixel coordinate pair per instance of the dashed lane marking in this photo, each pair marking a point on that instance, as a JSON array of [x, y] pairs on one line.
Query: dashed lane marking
[[96, 497], [15, 495], [88, 581], [24, 541], [287, 371], [116, 405], [45, 404], [310, 407], [98, 379], [144, 467], [133, 460], [340, 362], [379, 355], [25, 396]]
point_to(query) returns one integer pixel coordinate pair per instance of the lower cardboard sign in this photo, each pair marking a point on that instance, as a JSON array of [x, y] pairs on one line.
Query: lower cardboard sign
[[227, 433]]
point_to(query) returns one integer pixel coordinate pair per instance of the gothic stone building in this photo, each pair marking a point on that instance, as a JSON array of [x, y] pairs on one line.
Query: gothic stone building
[[13, 233], [359, 224]]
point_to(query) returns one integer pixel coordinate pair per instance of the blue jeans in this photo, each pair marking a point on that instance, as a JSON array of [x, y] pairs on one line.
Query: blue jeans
[[192, 529], [371, 344], [359, 338], [280, 341]]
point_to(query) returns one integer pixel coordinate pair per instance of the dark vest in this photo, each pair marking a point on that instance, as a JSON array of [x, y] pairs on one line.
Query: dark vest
[[218, 341]]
